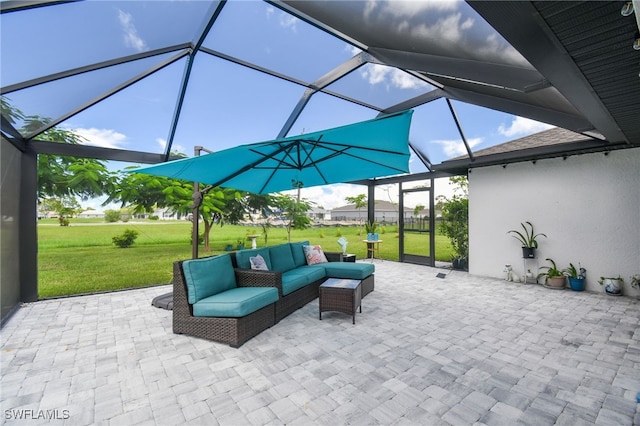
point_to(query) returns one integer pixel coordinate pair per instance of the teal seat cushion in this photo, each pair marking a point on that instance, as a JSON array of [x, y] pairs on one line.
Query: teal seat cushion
[[281, 258], [208, 276], [350, 270], [293, 280], [235, 303], [299, 259], [242, 257], [313, 272]]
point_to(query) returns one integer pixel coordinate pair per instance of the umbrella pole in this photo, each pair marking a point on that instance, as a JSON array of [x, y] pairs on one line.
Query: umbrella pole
[[197, 200]]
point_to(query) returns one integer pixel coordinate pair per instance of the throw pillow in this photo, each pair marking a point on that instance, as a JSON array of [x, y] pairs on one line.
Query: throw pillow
[[314, 255], [258, 263]]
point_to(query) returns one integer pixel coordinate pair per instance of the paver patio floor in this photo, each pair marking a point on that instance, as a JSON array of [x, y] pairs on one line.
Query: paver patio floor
[[463, 350]]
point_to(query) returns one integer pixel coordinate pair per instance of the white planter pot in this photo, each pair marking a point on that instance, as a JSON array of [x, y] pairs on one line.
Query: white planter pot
[[612, 286]]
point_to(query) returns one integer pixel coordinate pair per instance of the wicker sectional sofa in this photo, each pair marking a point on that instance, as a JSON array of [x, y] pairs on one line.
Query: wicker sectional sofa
[[221, 298]]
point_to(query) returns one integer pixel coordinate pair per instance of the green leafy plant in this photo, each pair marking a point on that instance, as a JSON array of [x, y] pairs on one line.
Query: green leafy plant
[[528, 238], [618, 278], [370, 227], [573, 272], [455, 225], [551, 271], [126, 239], [111, 216]]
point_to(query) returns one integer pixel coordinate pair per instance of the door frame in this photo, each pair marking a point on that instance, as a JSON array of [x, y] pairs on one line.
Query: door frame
[[414, 258]]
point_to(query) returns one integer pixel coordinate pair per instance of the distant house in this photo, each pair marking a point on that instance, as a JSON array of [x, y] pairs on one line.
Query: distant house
[[91, 214], [385, 212], [319, 213]]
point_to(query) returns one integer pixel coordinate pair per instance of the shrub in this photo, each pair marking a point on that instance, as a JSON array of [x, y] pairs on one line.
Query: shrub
[[200, 238], [111, 215], [126, 239], [154, 217]]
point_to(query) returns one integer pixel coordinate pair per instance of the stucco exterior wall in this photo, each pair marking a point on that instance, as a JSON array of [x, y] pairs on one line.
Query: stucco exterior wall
[[588, 205]]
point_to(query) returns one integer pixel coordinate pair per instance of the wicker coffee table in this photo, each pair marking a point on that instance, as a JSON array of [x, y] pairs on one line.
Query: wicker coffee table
[[340, 295]]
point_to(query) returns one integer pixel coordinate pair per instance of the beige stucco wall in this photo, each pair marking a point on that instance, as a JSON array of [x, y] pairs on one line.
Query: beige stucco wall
[[588, 205]]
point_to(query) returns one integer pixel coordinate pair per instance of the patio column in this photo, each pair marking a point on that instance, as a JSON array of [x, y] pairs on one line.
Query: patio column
[[28, 244], [371, 208]]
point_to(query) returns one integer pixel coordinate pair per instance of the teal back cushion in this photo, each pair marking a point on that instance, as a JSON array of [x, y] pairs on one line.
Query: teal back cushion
[[299, 259], [242, 257], [208, 276], [281, 258]]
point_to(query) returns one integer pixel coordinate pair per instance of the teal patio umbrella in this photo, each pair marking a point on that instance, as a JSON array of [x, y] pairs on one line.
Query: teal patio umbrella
[[368, 149]]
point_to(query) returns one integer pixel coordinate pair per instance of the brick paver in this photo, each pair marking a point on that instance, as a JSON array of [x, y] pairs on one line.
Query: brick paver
[[454, 351]]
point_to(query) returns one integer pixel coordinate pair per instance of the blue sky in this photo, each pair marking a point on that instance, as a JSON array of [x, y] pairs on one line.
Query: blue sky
[[226, 104]]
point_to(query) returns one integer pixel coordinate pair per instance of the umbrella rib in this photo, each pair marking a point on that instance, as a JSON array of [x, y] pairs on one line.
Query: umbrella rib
[[347, 146], [344, 152], [249, 166], [286, 149]]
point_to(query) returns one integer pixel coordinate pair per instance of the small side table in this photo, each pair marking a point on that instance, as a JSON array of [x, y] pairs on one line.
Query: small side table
[[341, 295], [348, 257], [373, 248]]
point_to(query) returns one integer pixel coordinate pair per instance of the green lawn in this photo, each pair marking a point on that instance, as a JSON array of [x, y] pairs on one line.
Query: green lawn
[[81, 258]]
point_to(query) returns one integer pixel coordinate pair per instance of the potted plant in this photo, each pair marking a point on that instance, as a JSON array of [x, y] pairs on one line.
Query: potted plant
[[554, 278], [371, 228], [240, 244], [576, 276], [612, 285], [528, 239], [635, 281]]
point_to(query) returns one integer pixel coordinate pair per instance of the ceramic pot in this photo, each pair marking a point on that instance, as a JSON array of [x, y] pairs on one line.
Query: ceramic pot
[[556, 282], [529, 252], [577, 284], [612, 286]]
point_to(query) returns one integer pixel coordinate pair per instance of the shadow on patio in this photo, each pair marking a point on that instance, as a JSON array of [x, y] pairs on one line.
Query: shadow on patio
[[425, 350]]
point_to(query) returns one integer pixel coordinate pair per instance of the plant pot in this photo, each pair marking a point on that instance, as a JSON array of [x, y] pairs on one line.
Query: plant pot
[[612, 286], [555, 282], [240, 247], [529, 252], [228, 247], [369, 236], [577, 284], [460, 264]]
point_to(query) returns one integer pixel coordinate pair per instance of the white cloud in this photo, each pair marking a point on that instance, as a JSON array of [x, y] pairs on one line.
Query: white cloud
[[105, 138], [375, 74], [408, 9], [521, 126], [455, 147], [289, 21], [448, 28], [284, 19], [330, 196], [391, 77], [131, 37]]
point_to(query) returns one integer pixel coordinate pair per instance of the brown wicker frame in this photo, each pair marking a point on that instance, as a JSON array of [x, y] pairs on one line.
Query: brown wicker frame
[[285, 305], [288, 304], [236, 331], [232, 331]]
